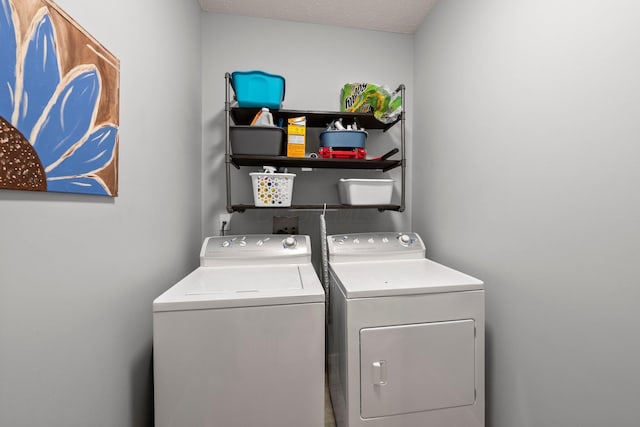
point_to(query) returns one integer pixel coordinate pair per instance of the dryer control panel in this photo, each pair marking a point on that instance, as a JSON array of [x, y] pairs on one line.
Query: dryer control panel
[[255, 249], [367, 246]]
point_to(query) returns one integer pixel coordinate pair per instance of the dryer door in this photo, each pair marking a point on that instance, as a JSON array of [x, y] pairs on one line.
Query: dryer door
[[418, 367]]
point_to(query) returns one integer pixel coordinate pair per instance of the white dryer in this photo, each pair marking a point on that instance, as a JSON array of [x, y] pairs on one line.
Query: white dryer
[[239, 342], [406, 336]]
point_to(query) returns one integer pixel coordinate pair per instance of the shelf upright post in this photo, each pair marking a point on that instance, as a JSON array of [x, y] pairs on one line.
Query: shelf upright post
[[227, 142], [403, 154]]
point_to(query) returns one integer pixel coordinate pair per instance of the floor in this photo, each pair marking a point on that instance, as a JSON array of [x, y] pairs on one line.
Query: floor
[[329, 420]]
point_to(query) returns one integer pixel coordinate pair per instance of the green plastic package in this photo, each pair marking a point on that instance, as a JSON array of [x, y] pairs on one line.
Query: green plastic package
[[385, 105]]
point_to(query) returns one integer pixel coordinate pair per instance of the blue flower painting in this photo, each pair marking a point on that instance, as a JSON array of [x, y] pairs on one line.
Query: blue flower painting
[[59, 106]]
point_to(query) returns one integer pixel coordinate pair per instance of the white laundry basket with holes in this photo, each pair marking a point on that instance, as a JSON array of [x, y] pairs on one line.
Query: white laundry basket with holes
[[272, 189]]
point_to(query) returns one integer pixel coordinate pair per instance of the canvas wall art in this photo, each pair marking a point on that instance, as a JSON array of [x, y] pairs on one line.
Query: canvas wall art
[[59, 103]]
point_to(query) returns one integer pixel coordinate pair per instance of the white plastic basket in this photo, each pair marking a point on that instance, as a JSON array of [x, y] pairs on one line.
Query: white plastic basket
[[272, 189], [354, 191]]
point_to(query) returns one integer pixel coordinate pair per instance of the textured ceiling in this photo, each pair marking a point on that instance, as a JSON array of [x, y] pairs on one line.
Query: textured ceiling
[[396, 16]]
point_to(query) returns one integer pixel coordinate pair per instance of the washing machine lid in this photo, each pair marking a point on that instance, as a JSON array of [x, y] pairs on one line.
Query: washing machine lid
[[247, 286], [400, 277]]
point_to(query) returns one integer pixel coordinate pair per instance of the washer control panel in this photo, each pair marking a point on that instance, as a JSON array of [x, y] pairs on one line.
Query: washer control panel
[[352, 247], [254, 249]]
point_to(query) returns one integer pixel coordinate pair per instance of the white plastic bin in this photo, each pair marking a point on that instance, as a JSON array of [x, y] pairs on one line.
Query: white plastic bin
[[355, 191]]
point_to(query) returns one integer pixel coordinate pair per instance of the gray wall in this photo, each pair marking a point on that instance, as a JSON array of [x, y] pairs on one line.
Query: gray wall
[[316, 61], [527, 128], [523, 115], [78, 273]]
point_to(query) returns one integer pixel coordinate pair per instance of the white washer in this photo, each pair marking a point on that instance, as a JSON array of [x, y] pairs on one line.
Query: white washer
[[406, 336], [239, 342]]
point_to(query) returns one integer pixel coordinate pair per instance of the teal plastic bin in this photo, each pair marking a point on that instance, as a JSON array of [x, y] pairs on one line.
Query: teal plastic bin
[[257, 89]]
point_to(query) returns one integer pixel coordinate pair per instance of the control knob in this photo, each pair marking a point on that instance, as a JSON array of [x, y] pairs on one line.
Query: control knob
[[405, 240], [289, 243]]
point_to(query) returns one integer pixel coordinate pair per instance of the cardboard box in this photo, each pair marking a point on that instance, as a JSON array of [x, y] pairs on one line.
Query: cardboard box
[[297, 136]]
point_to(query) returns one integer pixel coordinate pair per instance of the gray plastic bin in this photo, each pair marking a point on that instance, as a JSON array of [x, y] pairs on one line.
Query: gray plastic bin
[[257, 140]]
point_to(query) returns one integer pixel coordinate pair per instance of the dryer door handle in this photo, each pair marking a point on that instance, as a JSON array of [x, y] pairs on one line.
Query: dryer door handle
[[379, 372]]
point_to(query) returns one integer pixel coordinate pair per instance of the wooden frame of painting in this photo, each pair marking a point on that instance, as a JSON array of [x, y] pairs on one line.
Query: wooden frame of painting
[[59, 103]]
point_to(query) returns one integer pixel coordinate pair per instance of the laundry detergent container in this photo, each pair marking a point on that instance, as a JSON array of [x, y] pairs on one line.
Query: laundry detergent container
[[256, 89]]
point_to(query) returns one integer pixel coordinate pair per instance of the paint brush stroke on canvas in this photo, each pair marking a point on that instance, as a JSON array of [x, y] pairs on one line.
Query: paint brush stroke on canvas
[[59, 103]]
